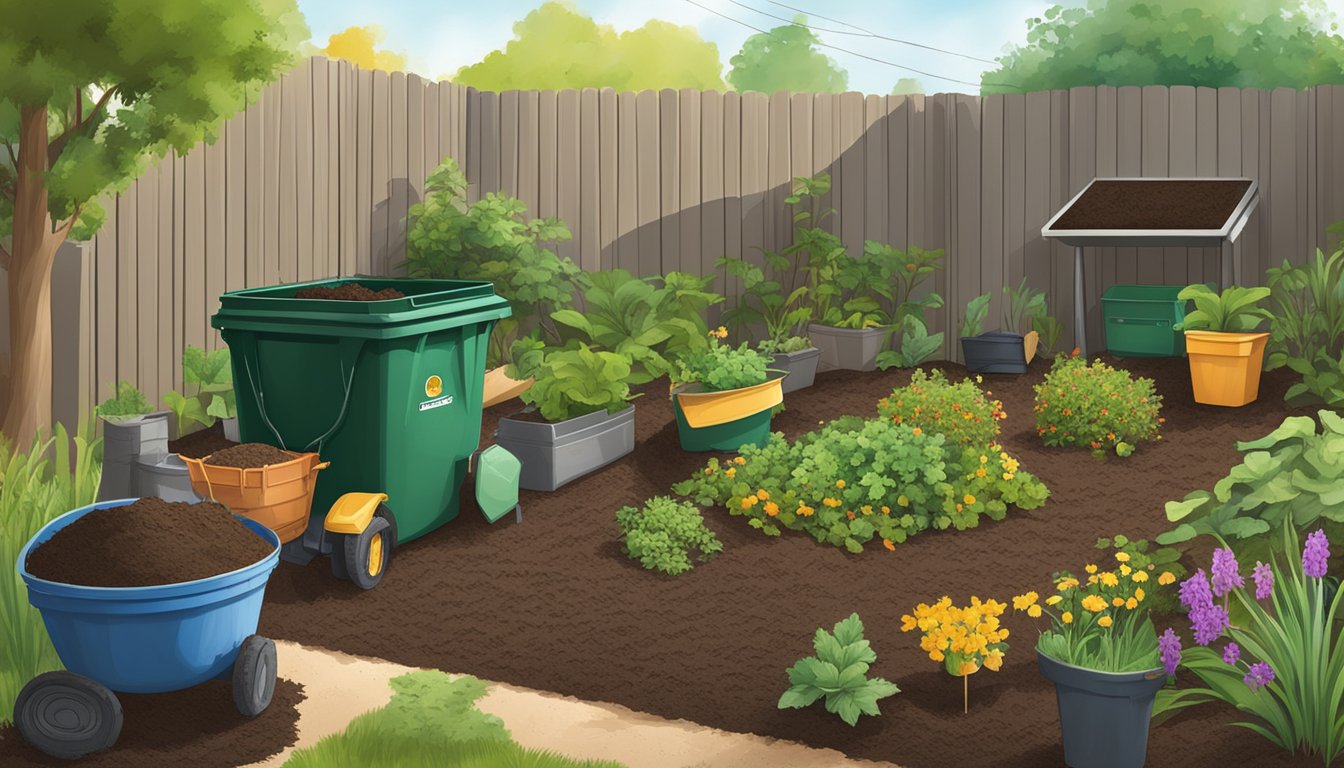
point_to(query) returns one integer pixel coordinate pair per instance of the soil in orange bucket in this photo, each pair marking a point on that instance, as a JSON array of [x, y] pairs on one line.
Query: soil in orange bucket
[[147, 543], [248, 456], [348, 292]]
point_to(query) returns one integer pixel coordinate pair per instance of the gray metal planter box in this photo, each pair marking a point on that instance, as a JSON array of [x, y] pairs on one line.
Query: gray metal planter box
[[848, 349], [554, 454], [801, 365], [165, 476], [123, 443]]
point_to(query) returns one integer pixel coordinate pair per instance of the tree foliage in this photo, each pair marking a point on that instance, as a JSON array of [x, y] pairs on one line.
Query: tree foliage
[[557, 47], [358, 45], [1240, 43], [786, 59]]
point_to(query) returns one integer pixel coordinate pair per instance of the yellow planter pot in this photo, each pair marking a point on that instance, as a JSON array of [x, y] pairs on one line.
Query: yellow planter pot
[[1225, 367], [499, 387], [708, 409]]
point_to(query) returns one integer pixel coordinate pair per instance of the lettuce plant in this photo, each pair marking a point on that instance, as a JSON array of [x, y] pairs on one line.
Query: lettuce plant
[[662, 533], [839, 672], [721, 367], [576, 381]]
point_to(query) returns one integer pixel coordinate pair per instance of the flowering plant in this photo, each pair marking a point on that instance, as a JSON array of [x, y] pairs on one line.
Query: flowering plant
[[963, 639], [1285, 664], [1097, 406], [962, 412], [1100, 623], [721, 367]]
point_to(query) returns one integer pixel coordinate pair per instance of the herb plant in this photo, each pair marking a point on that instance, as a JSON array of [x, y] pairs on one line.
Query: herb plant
[[917, 345], [763, 300], [962, 413], [125, 405], [963, 639], [576, 381], [973, 321], [662, 533], [839, 672], [721, 367], [214, 397], [1234, 310], [1097, 406], [1306, 328]]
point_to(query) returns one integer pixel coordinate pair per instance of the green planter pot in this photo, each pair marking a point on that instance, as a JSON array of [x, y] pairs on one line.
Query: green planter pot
[[1103, 716], [730, 436], [727, 420]]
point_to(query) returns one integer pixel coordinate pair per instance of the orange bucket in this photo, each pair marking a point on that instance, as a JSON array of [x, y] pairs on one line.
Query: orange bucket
[[1225, 367], [278, 496]]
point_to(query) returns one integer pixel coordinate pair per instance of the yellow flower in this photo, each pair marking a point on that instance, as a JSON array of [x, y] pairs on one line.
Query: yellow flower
[[1054, 600], [1125, 570], [828, 501], [762, 495], [1138, 594], [886, 510], [1066, 584], [866, 509], [1090, 568], [1140, 576], [980, 472], [1104, 621], [1166, 578], [805, 511], [1117, 602], [771, 508], [1067, 618], [1131, 604], [1034, 611], [1122, 557], [994, 660], [1108, 579], [969, 499], [732, 472], [917, 431], [1094, 603], [1022, 602], [908, 623], [748, 502], [902, 501], [839, 483], [1007, 475], [983, 458]]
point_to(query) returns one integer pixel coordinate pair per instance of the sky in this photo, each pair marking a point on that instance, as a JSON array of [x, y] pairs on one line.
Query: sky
[[440, 36]]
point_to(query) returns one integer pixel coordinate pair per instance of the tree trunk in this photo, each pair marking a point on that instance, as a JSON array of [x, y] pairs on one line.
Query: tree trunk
[[31, 257]]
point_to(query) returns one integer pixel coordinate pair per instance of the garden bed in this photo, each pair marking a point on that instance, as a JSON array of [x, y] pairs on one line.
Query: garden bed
[[554, 604]]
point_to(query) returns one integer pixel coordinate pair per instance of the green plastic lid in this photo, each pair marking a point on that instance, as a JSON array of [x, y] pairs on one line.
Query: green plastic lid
[[497, 473]]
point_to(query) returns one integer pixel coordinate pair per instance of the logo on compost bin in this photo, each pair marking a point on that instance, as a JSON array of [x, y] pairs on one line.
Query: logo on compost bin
[[433, 387]]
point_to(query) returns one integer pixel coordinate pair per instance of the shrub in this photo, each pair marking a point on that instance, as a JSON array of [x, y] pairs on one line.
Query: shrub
[[662, 534], [1306, 328], [857, 480], [127, 403], [1097, 406], [721, 367], [573, 382], [961, 412], [838, 672]]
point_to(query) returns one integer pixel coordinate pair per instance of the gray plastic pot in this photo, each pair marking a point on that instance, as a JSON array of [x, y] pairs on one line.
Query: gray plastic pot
[[801, 367], [848, 349], [231, 429], [555, 454], [165, 476], [1103, 716], [123, 443]]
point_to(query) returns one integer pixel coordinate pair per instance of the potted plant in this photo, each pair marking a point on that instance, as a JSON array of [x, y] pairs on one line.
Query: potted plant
[[784, 317], [1101, 652], [578, 417], [1226, 353], [723, 396], [131, 428], [1010, 350]]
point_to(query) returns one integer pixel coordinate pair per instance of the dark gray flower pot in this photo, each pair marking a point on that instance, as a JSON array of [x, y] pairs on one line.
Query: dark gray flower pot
[[123, 443], [1103, 716], [164, 475], [555, 454], [847, 349], [801, 367], [994, 352]]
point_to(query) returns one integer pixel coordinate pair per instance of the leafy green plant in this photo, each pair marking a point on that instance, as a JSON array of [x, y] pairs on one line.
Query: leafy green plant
[[1294, 473], [763, 299], [34, 490], [917, 345], [1024, 306], [721, 367], [1157, 562], [1234, 310], [790, 344], [962, 413], [214, 397], [1097, 406], [126, 404], [662, 533], [576, 381], [1306, 327], [1049, 330], [973, 320], [838, 672]]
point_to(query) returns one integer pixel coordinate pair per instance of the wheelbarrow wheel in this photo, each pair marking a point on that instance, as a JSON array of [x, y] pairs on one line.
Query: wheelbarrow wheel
[[254, 676], [368, 554], [67, 715]]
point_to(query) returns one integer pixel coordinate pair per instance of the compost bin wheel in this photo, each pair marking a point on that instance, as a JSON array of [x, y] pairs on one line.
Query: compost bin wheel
[[254, 675], [368, 554], [67, 715]]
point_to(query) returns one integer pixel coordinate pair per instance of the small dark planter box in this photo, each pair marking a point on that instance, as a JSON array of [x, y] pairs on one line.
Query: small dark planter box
[[801, 367], [994, 352], [554, 454], [1103, 716]]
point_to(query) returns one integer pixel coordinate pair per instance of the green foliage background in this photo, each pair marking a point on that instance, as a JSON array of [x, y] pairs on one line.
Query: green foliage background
[[785, 59]]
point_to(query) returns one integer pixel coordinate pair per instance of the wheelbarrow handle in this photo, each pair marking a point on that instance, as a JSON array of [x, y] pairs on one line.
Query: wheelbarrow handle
[[321, 465]]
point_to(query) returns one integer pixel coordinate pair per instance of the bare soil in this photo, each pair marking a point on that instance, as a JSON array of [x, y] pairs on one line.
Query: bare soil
[[201, 443], [348, 292], [248, 456], [553, 604], [1154, 204], [198, 727], [147, 543]]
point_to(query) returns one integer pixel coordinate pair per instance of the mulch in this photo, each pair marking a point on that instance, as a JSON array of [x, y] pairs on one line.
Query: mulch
[[198, 727], [1155, 204], [553, 604]]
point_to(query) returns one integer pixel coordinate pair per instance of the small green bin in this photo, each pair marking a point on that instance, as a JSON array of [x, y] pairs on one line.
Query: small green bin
[[388, 391], [1140, 320]]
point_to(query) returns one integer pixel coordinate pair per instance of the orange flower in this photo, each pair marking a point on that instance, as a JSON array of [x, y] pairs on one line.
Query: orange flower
[[771, 508], [889, 545], [918, 431]]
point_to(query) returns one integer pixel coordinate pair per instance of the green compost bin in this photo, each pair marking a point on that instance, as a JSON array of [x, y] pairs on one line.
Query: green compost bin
[[388, 391], [1140, 320]]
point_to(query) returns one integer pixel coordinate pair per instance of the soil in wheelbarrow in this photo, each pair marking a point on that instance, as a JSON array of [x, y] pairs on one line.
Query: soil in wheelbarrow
[[348, 292], [249, 456], [148, 543], [198, 727]]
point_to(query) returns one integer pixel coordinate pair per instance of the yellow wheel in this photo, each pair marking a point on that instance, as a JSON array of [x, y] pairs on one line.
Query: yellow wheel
[[376, 556], [368, 553]]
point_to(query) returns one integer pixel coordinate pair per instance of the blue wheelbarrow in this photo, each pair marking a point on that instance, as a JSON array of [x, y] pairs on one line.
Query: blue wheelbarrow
[[141, 640]]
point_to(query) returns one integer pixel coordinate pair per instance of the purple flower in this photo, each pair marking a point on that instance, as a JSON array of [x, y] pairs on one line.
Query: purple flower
[[1314, 554], [1264, 580], [1260, 675], [1225, 571], [1231, 653], [1169, 645], [1208, 622], [1195, 592]]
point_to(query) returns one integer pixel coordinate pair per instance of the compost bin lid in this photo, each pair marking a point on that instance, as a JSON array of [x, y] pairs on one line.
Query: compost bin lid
[[1155, 211]]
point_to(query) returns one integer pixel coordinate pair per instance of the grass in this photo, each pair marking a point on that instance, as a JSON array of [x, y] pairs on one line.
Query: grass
[[34, 489], [431, 721]]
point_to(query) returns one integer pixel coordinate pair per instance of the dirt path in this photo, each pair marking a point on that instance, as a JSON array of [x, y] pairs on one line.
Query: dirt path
[[340, 687]]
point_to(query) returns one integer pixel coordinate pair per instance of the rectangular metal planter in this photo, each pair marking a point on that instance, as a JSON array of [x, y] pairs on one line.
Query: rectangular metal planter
[[123, 443], [994, 352], [801, 366], [848, 349], [555, 454]]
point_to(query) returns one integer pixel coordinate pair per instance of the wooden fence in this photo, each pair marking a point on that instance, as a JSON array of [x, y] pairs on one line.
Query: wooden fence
[[315, 179]]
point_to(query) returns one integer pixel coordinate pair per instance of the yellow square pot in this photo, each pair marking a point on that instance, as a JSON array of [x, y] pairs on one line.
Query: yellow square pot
[[1225, 367]]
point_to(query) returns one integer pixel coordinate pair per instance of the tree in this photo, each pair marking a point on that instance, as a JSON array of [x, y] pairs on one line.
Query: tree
[[1242, 43], [786, 59], [557, 47], [91, 89], [906, 86], [357, 46]]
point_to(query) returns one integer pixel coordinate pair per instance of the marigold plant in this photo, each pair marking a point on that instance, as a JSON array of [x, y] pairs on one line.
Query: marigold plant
[[961, 412], [963, 639], [1097, 406]]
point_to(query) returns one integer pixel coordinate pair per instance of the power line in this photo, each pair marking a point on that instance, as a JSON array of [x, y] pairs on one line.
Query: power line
[[847, 51]]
